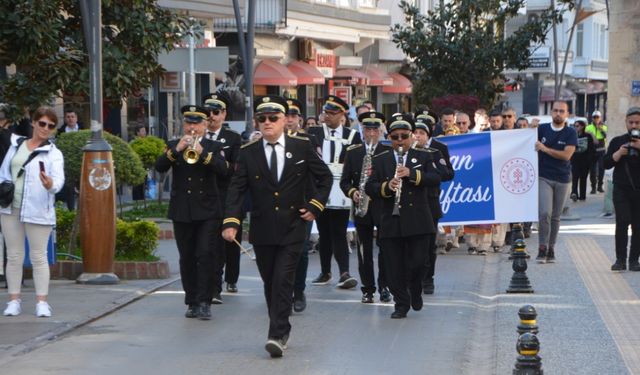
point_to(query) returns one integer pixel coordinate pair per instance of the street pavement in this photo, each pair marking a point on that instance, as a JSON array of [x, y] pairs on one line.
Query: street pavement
[[586, 313]]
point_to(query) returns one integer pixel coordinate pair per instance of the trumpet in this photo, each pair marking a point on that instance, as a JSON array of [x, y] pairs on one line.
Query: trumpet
[[396, 203], [191, 154]]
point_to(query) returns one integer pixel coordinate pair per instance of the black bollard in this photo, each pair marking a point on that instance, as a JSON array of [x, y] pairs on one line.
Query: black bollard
[[517, 234], [519, 280], [528, 361], [527, 314]]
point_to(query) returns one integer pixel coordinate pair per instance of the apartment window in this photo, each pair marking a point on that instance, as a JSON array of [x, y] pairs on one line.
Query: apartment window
[[580, 40], [604, 43]]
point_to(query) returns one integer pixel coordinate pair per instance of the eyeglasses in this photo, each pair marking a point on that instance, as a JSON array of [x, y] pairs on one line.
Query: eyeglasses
[[403, 136], [50, 125], [507, 116], [461, 123], [331, 113], [271, 118]]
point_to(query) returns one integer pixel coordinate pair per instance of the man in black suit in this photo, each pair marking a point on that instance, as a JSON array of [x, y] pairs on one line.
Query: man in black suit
[[365, 221], [401, 180], [334, 139], [195, 207], [228, 260], [274, 170], [424, 126], [70, 125]]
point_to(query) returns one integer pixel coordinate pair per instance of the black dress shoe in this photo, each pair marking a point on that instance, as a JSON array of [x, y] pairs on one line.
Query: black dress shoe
[[416, 299], [634, 266], [192, 311], [299, 302], [385, 295], [204, 311], [217, 299], [232, 288], [398, 314], [428, 288]]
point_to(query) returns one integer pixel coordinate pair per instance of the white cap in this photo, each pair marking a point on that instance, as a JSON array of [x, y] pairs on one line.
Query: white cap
[[596, 113]]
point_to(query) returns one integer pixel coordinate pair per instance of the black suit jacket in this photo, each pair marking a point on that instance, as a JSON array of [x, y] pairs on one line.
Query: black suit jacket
[[275, 216], [318, 133], [350, 180], [230, 142], [415, 215], [194, 190], [446, 174]]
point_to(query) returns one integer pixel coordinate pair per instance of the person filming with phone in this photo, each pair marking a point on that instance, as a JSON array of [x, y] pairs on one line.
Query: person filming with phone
[[35, 168], [623, 155]]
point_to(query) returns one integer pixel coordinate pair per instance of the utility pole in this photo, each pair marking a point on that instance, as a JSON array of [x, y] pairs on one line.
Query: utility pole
[[246, 54], [97, 202]]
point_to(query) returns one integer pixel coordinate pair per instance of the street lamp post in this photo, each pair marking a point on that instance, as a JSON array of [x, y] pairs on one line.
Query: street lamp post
[[97, 193]]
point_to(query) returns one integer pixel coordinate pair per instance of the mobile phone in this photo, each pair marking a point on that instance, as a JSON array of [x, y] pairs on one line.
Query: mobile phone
[[41, 166]]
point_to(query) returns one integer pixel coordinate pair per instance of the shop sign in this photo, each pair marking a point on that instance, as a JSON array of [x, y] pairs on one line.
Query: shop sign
[[343, 92], [325, 62], [171, 82]]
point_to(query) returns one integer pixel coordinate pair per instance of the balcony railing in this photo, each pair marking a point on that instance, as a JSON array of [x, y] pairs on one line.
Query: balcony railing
[[269, 15], [353, 4]]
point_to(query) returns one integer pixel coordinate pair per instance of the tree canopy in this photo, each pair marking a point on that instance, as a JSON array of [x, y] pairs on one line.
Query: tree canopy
[[45, 42], [461, 47]]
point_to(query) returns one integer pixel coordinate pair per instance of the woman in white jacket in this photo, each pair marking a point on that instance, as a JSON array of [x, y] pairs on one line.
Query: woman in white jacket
[[32, 212]]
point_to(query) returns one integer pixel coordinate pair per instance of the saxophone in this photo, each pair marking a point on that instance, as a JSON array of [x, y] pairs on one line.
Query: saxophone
[[396, 203], [363, 204]]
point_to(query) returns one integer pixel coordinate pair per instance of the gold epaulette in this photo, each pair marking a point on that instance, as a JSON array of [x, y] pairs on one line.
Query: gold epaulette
[[354, 146], [298, 137], [382, 153], [250, 143]]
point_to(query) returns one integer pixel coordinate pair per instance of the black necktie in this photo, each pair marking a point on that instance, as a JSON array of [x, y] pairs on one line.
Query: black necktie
[[333, 147], [211, 135], [273, 164]]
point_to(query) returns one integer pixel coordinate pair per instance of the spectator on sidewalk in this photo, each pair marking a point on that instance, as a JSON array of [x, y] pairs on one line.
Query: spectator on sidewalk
[[623, 155], [556, 144], [581, 161], [69, 193], [36, 167], [599, 131]]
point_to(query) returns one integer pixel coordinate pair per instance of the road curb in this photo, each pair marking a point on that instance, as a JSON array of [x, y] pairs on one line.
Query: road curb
[[55, 333]]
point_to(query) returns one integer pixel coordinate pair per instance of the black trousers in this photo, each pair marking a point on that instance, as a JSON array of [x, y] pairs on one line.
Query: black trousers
[[579, 173], [596, 173], [197, 241], [332, 228], [404, 259], [430, 260], [626, 203], [365, 260], [277, 267], [227, 262], [303, 264]]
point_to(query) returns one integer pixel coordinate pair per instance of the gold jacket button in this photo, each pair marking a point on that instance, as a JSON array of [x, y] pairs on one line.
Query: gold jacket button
[[277, 208], [188, 191], [276, 194], [257, 177], [189, 179]]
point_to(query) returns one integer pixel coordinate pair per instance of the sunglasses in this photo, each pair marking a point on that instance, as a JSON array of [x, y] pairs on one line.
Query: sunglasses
[[216, 111], [507, 116], [271, 118], [50, 125], [403, 136], [460, 122]]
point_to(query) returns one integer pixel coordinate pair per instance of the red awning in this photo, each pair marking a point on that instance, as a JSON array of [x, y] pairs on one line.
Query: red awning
[[377, 76], [401, 85], [547, 94], [307, 74], [354, 77], [272, 73]]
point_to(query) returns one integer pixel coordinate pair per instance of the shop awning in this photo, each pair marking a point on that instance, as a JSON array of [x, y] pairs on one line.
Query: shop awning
[[547, 94], [306, 74], [377, 76], [592, 87], [272, 73], [354, 77], [401, 85]]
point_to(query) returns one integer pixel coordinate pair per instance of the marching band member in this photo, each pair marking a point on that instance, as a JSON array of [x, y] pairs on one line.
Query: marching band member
[[195, 208], [400, 178], [367, 211], [274, 171], [227, 260], [334, 139], [424, 128]]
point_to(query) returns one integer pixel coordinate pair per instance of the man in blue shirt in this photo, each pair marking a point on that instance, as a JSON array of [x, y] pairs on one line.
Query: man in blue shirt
[[556, 143]]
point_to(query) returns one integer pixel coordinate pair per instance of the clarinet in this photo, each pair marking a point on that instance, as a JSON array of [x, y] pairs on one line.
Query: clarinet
[[396, 203], [363, 205]]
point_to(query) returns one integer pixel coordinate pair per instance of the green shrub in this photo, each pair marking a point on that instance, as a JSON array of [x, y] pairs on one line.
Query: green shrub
[[151, 210], [64, 223], [127, 164], [148, 149], [136, 240]]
